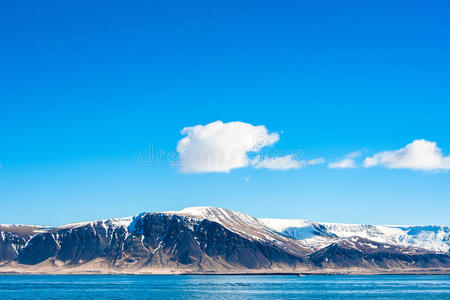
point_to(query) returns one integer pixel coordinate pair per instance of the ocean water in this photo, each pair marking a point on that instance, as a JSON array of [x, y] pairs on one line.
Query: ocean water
[[224, 287]]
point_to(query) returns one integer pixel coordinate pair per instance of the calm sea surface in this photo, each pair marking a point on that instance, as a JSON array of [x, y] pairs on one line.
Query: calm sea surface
[[223, 287]]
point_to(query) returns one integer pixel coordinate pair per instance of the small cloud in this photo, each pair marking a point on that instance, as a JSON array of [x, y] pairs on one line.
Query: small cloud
[[279, 163], [315, 161], [418, 155], [246, 178], [347, 162], [353, 154], [284, 163]]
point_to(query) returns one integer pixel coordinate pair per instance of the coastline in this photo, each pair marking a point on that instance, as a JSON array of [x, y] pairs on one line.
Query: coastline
[[240, 273]]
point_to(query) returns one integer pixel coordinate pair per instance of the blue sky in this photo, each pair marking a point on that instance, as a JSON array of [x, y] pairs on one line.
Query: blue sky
[[85, 87]]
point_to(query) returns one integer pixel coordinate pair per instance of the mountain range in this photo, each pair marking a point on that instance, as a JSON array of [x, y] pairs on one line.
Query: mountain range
[[210, 240]]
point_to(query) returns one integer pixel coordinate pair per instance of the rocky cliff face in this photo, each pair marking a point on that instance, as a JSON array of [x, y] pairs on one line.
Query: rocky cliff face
[[13, 238], [156, 240], [195, 240]]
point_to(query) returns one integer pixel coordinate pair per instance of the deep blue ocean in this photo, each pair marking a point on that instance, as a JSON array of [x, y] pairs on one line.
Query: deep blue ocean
[[224, 287]]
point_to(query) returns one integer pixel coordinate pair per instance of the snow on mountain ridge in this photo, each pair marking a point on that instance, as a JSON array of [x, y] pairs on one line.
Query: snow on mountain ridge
[[233, 220], [23, 225], [242, 224], [429, 237], [216, 214], [113, 222]]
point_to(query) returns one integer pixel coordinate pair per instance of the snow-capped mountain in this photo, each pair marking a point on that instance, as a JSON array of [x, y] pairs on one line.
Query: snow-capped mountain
[[217, 240], [432, 237]]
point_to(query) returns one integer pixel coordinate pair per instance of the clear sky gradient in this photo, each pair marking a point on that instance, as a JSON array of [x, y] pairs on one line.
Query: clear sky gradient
[[86, 86]]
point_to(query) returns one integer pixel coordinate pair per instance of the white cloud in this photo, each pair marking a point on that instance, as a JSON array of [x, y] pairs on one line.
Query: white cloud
[[418, 155], [315, 161], [347, 162], [353, 154], [221, 147], [284, 163]]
